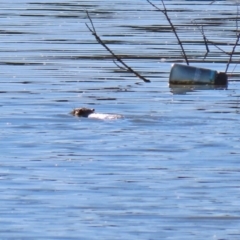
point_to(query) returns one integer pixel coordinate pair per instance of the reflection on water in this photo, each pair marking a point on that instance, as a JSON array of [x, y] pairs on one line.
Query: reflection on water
[[167, 170], [184, 89]]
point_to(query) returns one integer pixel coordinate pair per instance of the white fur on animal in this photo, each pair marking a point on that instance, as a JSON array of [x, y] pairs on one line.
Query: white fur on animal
[[90, 113]]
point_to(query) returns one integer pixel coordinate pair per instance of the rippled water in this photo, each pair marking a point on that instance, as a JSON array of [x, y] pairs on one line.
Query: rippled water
[[167, 170]]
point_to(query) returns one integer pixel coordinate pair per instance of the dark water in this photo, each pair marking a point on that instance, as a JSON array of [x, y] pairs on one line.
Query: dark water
[[167, 170]]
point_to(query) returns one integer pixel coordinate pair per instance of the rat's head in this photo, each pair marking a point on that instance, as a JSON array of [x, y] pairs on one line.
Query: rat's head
[[82, 112]]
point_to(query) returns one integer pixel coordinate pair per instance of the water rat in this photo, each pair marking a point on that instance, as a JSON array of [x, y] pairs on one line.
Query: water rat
[[90, 113], [82, 112]]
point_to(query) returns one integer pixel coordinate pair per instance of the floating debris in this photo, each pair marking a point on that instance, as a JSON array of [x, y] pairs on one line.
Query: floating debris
[[183, 74]]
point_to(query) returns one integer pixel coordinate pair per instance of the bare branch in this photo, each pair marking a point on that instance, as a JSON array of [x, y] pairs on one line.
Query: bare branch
[[212, 2], [216, 46], [236, 43], [99, 40], [206, 41], [237, 18], [232, 53], [119, 65], [94, 30], [164, 11]]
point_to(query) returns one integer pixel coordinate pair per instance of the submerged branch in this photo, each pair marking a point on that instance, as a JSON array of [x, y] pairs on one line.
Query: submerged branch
[[117, 58]]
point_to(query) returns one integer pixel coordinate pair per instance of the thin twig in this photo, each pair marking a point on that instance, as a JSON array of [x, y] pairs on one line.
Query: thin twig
[[206, 41], [120, 67], [172, 26], [234, 68], [233, 50], [94, 30], [216, 46], [237, 18], [236, 43], [99, 40], [237, 28]]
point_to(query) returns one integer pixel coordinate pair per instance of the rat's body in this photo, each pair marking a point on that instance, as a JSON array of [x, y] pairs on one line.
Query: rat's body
[[90, 113]]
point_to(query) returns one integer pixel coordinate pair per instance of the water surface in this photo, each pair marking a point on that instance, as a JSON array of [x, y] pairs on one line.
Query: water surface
[[167, 170]]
